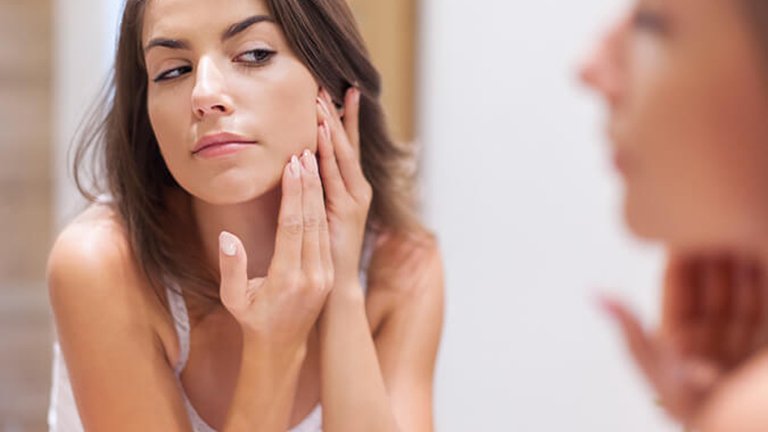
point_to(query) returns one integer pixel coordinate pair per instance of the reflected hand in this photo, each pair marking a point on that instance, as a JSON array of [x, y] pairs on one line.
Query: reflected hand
[[713, 318]]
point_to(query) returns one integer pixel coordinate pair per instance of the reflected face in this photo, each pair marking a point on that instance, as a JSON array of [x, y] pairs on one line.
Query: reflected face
[[683, 81], [228, 100]]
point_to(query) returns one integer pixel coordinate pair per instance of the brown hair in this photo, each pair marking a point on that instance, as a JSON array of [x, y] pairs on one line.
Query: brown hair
[[757, 13], [128, 164]]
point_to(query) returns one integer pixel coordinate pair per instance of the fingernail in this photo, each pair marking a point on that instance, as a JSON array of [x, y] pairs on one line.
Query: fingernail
[[356, 95], [327, 130], [325, 108], [309, 161], [607, 305], [227, 244], [322, 128], [295, 167]]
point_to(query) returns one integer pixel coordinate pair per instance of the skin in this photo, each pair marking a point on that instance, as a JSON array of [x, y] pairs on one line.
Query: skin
[[684, 84], [293, 314]]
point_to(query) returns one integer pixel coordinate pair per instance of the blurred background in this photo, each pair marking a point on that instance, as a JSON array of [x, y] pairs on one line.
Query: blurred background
[[516, 185]]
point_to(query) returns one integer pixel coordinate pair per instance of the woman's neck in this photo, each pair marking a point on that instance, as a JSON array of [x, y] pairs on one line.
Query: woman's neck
[[254, 222]]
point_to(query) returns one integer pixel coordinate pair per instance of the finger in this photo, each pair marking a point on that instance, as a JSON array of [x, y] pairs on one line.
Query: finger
[[352, 118], [333, 183], [315, 221], [639, 343], [716, 292], [290, 223], [718, 274], [347, 159], [679, 297], [743, 324], [760, 288], [679, 316], [233, 264]]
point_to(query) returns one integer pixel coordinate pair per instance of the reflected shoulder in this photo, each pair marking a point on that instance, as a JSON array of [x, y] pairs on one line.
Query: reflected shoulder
[[738, 404]]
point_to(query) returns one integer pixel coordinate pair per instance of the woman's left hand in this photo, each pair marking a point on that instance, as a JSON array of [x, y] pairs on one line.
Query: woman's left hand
[[712, 321], [347, 192]]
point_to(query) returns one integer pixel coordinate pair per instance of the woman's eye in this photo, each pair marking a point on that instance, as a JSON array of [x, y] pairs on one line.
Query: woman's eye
[[173, 73], [257, 56], [649, 21]]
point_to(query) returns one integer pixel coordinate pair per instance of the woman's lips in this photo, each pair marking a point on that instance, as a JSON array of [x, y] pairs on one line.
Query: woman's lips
[[621, 161], [220, 144], [222, 149]]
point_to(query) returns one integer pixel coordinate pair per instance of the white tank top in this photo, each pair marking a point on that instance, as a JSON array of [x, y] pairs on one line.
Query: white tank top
[[62, 412]]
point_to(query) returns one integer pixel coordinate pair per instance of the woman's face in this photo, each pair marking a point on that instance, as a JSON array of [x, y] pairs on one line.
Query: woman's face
[[222, 76], [688, 120]]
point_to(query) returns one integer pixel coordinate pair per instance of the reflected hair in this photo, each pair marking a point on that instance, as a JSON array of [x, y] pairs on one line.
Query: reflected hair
[[756, 12], [126, 163]]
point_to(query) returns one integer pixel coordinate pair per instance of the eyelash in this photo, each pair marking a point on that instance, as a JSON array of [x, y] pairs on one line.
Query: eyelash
[[262, 56], [644, 20]]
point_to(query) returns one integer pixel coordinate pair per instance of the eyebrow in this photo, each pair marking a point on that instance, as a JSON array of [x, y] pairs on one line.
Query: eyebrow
[[229, 33]]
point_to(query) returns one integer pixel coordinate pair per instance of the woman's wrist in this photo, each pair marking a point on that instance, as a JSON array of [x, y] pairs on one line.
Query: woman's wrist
[[348, 290], [266, 386]]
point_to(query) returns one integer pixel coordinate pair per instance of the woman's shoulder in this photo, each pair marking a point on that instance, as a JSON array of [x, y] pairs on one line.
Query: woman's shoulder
[[91, 264], [405, 262], [405, 272], [94, 243], [738, 403]]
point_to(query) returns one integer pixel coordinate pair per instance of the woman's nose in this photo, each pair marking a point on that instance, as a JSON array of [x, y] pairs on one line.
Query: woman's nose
[[209, 96], [602, 69], [589, 70]]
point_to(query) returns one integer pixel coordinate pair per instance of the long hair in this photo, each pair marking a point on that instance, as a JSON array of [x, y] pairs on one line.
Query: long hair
[[756, 12], [128, 165]]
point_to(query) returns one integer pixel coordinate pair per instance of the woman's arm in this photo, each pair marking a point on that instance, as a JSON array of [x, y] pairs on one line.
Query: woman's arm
[[409, 287], [120, 376], [367, 383], [355, 394]]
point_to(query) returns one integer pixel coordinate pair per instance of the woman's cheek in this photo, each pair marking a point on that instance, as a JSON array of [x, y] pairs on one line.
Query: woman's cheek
[[163, 122], [298, 130]]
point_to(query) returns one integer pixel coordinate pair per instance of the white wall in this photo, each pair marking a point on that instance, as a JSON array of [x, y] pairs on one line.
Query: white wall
[[84, 48], [521, 193]]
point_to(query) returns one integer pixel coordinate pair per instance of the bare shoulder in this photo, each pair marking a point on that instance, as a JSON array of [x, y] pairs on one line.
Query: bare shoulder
[[91, 272], [405, 264], [738, 404], [405, 270], [110, 328], [91, 257]]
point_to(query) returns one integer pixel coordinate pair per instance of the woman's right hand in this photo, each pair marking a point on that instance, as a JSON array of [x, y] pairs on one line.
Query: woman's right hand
[[713, 319], [281, 308]]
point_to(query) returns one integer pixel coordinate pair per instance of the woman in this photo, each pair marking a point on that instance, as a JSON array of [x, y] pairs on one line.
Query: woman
[[217, 286], [685, 82]]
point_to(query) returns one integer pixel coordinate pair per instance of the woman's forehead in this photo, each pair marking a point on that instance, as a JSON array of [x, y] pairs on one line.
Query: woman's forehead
[[174, 18]]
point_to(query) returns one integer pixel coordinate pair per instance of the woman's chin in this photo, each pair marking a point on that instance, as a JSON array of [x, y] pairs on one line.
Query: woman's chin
[[232, 193], [691, 234], [650, 224]]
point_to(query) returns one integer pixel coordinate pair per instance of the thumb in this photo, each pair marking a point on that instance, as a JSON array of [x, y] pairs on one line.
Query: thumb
[[233, 265], [637, 340]]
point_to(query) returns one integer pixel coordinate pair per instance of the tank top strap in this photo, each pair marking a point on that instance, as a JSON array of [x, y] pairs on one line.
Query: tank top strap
[[181, 321]]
